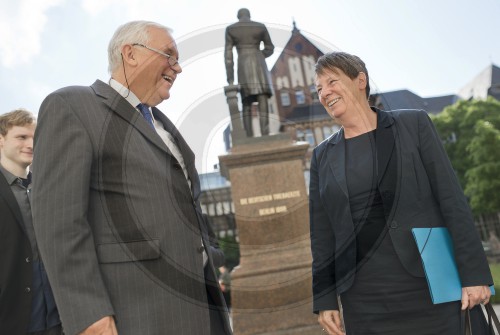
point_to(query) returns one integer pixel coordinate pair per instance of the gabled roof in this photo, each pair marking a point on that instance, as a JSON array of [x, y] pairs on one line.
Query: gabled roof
[[296, 45], [478, 87]]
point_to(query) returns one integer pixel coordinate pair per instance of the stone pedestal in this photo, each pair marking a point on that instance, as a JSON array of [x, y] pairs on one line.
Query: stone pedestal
[[271, 288]]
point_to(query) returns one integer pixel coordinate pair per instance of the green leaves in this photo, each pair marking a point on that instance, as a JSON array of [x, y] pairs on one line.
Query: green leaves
[[470, 131]]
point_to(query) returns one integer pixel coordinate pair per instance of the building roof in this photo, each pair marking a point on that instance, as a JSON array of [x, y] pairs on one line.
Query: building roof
[[479, 87], [213, 180], [314, 112], [405, 99], [436, 105]]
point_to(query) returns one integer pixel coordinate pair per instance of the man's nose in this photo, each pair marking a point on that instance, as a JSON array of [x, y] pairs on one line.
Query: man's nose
[[177, 68]]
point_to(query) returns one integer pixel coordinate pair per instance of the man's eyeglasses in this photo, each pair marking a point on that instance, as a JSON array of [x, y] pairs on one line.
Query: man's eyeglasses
[[171, 59]]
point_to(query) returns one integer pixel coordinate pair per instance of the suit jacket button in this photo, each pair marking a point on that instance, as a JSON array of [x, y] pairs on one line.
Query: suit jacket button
[[27, 260], [394, 224], [27, 290], [200, 249]]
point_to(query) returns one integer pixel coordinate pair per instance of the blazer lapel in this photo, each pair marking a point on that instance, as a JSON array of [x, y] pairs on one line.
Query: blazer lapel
[[385, 142], [336, 160], [10, 199], [186, 152], [126, 111]]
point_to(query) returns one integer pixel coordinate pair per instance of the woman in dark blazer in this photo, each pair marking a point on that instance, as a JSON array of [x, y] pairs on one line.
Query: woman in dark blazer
[[381, 175]]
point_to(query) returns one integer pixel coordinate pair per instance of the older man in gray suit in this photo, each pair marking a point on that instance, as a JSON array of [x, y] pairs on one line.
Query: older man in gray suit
[[115, 201]]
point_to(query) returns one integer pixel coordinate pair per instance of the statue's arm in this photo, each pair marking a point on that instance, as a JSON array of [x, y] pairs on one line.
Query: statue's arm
[[228, 56], [268, 45]]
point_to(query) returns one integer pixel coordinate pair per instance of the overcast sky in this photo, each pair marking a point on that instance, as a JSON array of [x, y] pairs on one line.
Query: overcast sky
[[431, 47]]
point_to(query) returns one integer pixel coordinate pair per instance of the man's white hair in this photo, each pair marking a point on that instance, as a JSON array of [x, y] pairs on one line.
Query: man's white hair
[[131, 32]]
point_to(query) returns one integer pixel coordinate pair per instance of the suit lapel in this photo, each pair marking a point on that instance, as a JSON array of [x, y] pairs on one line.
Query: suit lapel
[[336, 160], [121, 107], [384, 142], [8, 196]]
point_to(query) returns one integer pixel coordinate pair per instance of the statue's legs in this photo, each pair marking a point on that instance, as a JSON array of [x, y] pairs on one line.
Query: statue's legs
[[247, 118], [263, 114]]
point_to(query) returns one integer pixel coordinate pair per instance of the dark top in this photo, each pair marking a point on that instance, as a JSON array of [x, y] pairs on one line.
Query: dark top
[[44, 313], [367, 209]]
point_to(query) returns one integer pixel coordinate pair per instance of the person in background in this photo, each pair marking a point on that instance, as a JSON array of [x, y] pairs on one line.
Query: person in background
[[116, 201], [382, 174], [27, 305]]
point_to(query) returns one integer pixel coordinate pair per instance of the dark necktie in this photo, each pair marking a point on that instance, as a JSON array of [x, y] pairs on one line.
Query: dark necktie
[[146, 113]]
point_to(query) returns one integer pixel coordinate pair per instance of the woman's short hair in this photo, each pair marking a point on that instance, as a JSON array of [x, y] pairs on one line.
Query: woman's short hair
[[351, 65]]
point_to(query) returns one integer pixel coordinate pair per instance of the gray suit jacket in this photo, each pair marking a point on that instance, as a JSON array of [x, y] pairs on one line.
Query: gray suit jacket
[[423, 191], [117, 225]]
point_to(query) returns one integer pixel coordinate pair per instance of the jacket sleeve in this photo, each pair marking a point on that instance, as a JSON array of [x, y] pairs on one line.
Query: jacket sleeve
[[61, 184], [218, 257], [268, 44], [228, 57], [322, 247], [469, 253]]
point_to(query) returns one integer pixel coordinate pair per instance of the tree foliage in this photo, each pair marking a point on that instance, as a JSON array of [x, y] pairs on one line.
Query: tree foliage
[[231, 250], [470, 131]]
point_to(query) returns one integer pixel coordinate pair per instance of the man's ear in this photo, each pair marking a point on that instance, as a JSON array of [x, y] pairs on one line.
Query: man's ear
[[128, 55], [362, 81]]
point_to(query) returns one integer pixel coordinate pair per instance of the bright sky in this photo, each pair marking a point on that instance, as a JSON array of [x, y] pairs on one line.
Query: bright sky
[[429, 47]]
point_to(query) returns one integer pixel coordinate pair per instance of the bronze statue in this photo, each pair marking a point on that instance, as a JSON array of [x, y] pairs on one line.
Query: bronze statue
[[254, 78]]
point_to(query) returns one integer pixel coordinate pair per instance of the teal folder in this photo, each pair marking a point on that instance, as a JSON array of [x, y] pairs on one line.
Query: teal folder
[[436, 250]]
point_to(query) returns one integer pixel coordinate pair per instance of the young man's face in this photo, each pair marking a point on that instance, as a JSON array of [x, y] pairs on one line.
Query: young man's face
[[16, 147]]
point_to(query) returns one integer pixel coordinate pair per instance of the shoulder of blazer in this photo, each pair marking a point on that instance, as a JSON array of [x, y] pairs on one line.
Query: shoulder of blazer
[[70, 90], [407, 115]]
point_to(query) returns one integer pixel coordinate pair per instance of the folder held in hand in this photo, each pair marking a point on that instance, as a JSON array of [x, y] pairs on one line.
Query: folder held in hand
[[436, 250]]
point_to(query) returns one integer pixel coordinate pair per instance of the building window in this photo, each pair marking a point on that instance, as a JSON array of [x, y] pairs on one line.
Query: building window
[[308, 63], [318, 134], [218, 209], [300, 135], [203, 208], [310, 137], [285, 98], [211, 209], [314, 93], [296, 76], [300, 97], [227, 207]]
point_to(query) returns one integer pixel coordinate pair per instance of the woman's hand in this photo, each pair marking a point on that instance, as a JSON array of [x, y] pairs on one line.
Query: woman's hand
[[330, 321], [475, 295]]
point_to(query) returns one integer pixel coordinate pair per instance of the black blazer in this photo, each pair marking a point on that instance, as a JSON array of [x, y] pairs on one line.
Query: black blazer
[[15, 265], [425, 193]]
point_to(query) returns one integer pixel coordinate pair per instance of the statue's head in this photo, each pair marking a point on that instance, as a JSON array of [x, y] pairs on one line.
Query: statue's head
[[243, 13]]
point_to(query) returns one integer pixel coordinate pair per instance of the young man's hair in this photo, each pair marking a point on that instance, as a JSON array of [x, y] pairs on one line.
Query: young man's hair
[[19, 117]]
